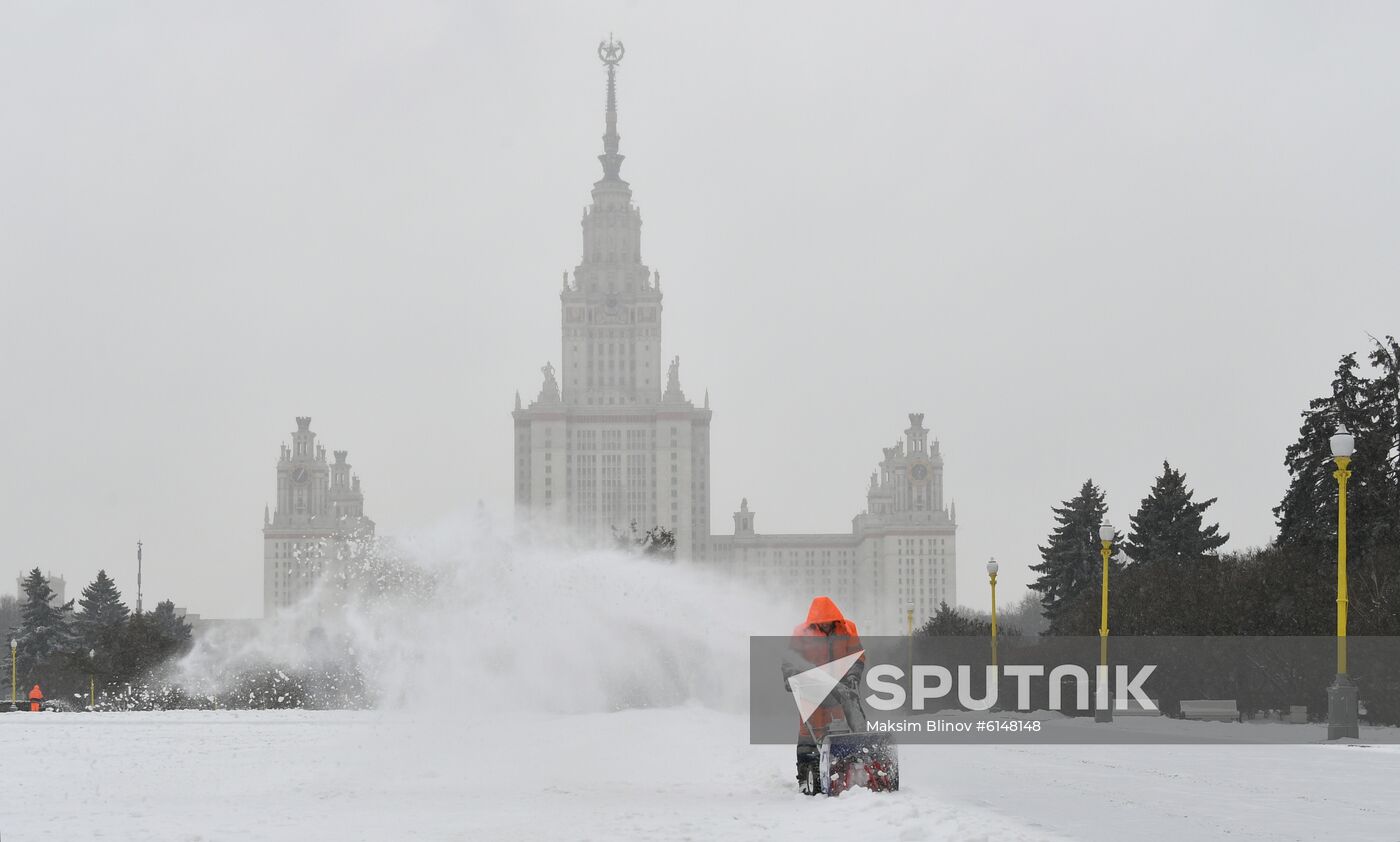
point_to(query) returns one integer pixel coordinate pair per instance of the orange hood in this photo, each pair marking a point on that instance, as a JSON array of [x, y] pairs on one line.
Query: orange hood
[[823, 610]]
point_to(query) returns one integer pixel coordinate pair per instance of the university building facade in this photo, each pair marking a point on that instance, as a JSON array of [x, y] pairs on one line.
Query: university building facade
[[900, 555], [609, 440], [318, 519]]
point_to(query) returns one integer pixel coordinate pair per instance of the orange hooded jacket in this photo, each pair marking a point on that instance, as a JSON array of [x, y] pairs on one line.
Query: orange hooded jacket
[[817, 648]]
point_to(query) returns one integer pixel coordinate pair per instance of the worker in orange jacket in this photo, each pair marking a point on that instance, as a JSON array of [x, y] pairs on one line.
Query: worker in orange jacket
[[36, 699], [825, 636]]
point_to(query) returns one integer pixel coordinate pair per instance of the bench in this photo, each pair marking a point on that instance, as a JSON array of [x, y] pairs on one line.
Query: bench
[[1136, 709], [1296, 715], [1210, 710]]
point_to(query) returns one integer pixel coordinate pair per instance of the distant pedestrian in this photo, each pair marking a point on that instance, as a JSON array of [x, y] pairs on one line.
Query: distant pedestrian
[[36, 699]]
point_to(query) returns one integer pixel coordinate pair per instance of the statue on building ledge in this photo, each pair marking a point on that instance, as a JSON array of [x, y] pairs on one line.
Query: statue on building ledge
[[549, 391]]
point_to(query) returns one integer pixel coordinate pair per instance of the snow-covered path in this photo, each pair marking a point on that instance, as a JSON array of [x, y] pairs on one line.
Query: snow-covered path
[[671, 774]]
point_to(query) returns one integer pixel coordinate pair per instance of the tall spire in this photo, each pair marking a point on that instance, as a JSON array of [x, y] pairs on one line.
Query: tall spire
[[611, 52]]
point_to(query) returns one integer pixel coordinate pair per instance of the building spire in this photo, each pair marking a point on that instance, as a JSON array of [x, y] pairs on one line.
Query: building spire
[[611, 52]]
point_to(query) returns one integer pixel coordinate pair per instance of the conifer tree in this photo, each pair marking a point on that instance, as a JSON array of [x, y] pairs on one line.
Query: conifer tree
[[949, 622], [102, 611], [1071, 558], [1380, 403], [45, 629], [1307, 516], [1168, 526], [99, 626], [172, 627], [148, 641]]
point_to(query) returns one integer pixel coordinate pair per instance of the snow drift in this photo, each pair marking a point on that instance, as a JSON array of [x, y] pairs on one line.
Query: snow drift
[[468, 614]]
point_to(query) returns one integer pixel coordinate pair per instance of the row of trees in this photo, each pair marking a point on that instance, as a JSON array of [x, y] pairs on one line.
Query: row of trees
[[1168, 537], [1023, 617], [62, 648], [1167, 576], [133, 658]]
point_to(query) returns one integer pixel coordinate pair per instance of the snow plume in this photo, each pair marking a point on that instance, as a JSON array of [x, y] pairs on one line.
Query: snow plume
[[468, 617]]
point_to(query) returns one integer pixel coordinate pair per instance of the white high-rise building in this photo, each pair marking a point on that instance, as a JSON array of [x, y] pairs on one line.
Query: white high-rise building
[[607, 442], [319, 509], [611, 439]]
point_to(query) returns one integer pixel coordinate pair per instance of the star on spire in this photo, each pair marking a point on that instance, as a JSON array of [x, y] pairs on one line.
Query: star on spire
[[610, 52]]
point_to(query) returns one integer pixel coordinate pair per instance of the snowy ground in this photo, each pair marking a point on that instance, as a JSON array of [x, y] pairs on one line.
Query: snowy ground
[[673, 774]]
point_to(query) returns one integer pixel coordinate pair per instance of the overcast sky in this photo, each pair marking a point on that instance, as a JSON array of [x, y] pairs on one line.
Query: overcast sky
[[1081, 238]]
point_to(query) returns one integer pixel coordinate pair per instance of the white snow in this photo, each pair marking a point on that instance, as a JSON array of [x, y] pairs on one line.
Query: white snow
[[499, 725], [663, 774]]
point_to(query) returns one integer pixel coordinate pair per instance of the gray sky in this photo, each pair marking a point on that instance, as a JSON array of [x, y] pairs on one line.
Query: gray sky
[[1080, 237]]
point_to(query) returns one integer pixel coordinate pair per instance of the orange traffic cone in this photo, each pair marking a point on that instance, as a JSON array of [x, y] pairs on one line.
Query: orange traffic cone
[[36, 699]]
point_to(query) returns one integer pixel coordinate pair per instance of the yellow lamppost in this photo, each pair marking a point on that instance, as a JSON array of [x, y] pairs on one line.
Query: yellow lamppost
[[1106, 539], [92, 678], [14, 677], [1342, 696], [909, 613], [992, 568]]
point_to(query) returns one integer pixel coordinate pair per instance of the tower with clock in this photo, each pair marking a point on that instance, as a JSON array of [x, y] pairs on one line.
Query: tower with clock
[[319, 507]]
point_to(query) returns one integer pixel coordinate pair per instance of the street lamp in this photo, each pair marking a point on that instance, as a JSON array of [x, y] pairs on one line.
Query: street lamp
[[992, 568], [909, 613], [14, 649], [1104, 713], [92, 678], [1342, 695]]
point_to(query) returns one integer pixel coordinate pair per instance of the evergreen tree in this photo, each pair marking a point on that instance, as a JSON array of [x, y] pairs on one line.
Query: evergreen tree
[[1380, 405], [45, 630], [1374, 531], [1072, 562], [99, 626], [102, 611], [172, 627], [1168, 526], [1307, 516], [947, 622], [148, 641]]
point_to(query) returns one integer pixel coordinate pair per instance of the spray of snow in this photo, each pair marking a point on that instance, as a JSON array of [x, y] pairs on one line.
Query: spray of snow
[[511, 623]]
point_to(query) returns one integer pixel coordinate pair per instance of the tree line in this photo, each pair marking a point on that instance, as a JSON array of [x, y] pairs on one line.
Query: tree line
[[1167, 576], [101, 642]]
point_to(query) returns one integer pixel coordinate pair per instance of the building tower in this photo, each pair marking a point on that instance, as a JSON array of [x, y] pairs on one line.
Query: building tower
[[901, 552], [319, 508], [608, 442]]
